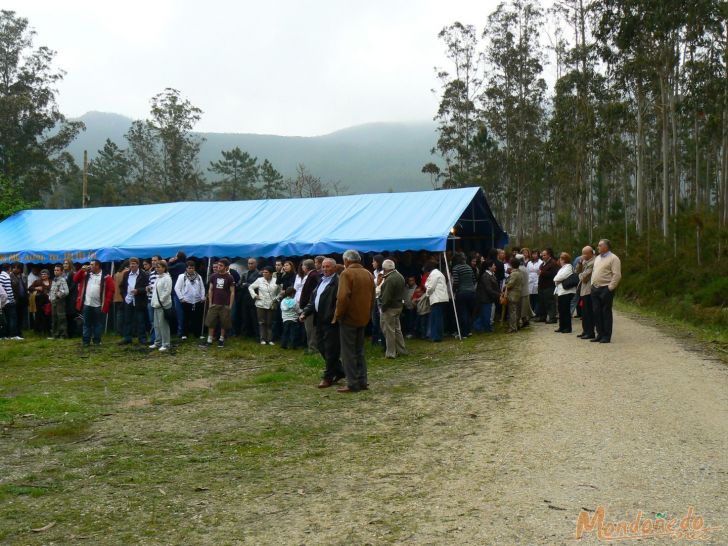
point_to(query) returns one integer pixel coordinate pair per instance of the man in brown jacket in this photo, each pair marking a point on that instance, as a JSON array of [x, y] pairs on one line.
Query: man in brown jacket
[[354, 302]]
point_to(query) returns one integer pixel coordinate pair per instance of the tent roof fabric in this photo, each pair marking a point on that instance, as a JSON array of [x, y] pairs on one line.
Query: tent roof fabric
[[274, 227]]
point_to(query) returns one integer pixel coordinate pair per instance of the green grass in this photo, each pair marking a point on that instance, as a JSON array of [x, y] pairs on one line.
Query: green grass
[[126, 446]]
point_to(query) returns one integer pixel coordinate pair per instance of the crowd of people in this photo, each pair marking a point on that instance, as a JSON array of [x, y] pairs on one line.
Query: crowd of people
[[320, 304]]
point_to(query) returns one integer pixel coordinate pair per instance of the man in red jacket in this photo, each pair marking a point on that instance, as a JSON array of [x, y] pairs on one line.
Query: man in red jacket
[[95, 291]]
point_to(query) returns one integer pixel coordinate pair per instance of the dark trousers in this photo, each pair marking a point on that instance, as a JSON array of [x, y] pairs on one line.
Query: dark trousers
[[277, 324], [290, 335], [192, 319], [93, 324], [465, 303], [328, 341], [118, 317], [135, 323], [565, 312], [248, 319], [602, 300], [179, 310], [11, 320], [535, 304], [352, 356], [548, 304], [587, 316], [150, 322], [409, 319], [437, 320]]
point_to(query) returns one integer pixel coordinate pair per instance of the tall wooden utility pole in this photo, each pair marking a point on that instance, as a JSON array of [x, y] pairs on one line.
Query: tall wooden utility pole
[[84, 190]]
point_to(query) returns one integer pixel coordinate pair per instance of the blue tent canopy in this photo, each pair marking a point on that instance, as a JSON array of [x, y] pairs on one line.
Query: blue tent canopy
[[273, 227]]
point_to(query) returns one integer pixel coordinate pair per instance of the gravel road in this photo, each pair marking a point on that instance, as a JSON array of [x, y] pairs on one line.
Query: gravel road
[[509, 450]]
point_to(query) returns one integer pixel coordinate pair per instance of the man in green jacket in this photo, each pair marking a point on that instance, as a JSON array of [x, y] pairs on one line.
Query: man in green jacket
[[391, 297]]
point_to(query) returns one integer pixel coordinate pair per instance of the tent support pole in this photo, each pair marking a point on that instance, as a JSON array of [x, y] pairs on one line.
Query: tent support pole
[[449, 281], [112, 310], [204, 307]]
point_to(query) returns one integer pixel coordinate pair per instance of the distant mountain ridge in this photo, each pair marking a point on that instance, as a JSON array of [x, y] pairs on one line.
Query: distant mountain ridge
[[375, 157]]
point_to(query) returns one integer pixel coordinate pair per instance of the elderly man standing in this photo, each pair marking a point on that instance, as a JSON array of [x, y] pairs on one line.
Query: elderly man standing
[[312, 280], [322, 306], [605, 278], [585, 270], [353, 310], [391, 297]]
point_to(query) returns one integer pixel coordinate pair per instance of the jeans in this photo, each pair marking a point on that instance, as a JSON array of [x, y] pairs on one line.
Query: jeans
[[465, 303], [135, 320], [150, 317], [11, 318], [289, 338], [93, 324], [484, 322], [437, 320], [180, 313]]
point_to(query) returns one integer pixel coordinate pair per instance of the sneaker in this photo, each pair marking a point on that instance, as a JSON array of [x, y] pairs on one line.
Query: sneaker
[[221, 343], [163, 348], [153, 346], [17, 338], [271, 343], [183, 338], [262, 342], [51, 337]]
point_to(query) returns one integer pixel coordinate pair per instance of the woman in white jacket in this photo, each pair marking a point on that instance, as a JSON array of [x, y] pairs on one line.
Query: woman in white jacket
[[436, 289], [565, 294], [190, 290], [161, 300], [264, 292]]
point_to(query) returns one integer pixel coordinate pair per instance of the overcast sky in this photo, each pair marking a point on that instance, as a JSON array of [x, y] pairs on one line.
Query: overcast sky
[[287, 67]]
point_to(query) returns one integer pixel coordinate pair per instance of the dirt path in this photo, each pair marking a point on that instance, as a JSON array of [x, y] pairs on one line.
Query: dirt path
[[504, 442], [510, 450]]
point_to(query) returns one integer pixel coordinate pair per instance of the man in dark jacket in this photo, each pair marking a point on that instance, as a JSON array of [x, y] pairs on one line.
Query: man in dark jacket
[[312, 280], [176, 267], [487, 293], [391, 295], [321, 306], [548, 270], [133, 290]]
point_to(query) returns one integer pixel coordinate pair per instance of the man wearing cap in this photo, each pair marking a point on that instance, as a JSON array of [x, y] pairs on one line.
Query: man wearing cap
[[391, 296]]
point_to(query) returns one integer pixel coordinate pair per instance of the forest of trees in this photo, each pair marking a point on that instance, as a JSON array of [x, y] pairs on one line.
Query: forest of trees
[[634, 132], [158, 162]]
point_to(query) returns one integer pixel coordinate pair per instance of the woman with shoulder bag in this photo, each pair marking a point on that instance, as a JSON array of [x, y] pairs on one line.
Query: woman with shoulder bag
[[565, 293], [163, 309]]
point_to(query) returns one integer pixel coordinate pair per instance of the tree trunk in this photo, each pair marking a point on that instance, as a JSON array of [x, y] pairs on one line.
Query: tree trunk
[[665, 157], [639, 180]]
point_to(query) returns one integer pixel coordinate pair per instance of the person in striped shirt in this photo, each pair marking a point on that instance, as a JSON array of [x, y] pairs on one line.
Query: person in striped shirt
[[9, 309]]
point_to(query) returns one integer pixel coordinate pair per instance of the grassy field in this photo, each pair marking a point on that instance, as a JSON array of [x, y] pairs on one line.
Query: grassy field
[[120, 445]]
